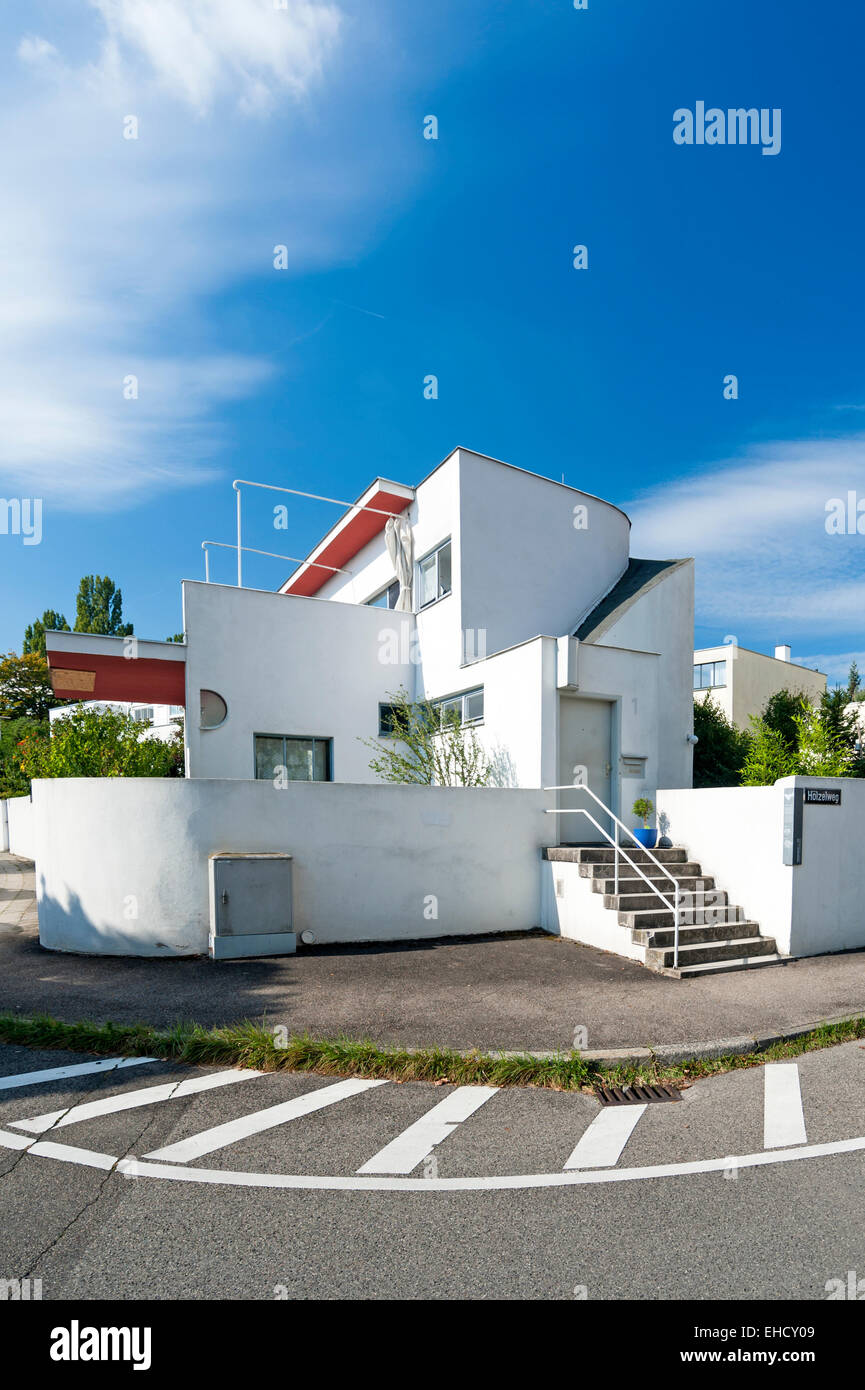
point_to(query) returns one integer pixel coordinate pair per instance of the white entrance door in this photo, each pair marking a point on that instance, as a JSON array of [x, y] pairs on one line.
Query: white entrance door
[[585, 733]]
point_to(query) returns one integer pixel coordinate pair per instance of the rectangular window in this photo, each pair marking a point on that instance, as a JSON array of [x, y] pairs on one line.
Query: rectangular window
[[304, 759], [434, 575], [387, 598], [385, 721], [469, 706], [710, 675], [144, 712]]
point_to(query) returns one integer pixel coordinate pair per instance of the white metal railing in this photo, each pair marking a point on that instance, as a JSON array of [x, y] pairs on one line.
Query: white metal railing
[[294, 492], [226, 545], [673, 906]]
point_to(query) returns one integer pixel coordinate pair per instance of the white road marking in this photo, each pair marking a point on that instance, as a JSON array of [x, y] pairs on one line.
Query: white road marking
[[606, 1137], [783, 1120], [209, 1140], [35, 1078], [411, 1147], [137, 1168], [130, 1100]]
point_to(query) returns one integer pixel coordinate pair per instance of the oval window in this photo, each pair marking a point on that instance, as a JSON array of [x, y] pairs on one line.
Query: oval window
[[214, 710]]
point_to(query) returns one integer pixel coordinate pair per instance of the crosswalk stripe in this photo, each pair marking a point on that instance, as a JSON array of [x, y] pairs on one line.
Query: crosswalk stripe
[[783, 1119], [131, 1100], [35, 1078], [606, 1137], [209, 1140], [411, 1147]]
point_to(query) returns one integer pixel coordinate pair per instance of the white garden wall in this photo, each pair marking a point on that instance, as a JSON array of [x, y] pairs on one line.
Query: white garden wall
[[122, 863], [736, 833], [17, 834]]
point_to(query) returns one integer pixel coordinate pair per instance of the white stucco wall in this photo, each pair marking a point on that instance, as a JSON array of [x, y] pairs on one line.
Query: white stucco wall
[[736, 834], [662, 621], [289, 666], [18, 833], [122, 865]]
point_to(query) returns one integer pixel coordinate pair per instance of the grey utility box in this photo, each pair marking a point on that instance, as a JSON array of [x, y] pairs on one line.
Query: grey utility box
[[250, 906]]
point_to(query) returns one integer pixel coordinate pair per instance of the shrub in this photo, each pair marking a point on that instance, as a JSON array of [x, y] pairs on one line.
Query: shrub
[[101, 743]]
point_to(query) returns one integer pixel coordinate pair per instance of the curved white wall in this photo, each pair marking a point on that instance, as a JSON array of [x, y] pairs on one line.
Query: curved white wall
[[122, 862]]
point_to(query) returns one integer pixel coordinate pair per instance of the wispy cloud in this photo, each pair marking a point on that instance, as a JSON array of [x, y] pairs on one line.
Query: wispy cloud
[[757, 527], [111, 247]]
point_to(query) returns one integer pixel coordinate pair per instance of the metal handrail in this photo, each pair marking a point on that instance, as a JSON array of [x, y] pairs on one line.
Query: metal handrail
[[674, 907], [294, 492], [226, 545]]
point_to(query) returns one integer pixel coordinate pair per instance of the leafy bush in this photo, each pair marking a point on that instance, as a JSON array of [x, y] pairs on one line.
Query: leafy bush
[[721, 748], [101, 743], [768, 757], [428, 747]]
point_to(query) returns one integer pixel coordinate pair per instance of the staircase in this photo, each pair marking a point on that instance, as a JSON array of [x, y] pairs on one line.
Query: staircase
[[713, 935]]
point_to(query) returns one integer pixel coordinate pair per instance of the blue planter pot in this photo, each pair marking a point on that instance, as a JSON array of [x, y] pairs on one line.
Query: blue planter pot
[[647, 838]]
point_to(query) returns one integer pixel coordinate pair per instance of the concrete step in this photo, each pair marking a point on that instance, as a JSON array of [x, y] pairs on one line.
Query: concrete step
[[741, 949], [723, 967], [687, 868], [636, 902], [663, 917], [634, 884], [581, 854], [691, 936]]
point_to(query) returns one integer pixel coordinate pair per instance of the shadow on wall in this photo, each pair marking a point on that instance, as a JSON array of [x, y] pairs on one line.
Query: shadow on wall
[[67, 927], [503, 772]]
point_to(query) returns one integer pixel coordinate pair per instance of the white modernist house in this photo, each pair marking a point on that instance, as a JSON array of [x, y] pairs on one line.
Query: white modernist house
[[741, 681], [490, 591], [493, 591], [499, 593]]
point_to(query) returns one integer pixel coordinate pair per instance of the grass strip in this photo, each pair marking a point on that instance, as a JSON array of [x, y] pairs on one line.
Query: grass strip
[[255, 1045]]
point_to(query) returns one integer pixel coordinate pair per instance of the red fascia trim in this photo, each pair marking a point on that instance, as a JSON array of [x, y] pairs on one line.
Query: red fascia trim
[[141, 679], [353, 537]]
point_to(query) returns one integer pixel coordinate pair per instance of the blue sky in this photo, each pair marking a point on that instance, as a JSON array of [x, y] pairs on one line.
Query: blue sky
[[303, 127]]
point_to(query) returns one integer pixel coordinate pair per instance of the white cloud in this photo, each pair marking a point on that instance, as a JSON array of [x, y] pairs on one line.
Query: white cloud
[[33, 49], [111, 249], [203, 49], [757, 527]]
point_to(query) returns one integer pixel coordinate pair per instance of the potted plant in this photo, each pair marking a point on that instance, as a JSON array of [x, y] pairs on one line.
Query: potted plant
[[643, 808]]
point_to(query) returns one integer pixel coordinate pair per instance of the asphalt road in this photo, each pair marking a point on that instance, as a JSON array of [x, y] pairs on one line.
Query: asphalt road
[[198, 1226]]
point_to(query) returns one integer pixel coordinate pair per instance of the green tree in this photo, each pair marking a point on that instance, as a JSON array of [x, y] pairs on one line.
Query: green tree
[[855, 690], [99, 607], [101, 743], [178, 637], [13, 779], [34, 636], [781, 712], [25, 687], [821, 752], [768, 756], [428, 748], [721, 748]]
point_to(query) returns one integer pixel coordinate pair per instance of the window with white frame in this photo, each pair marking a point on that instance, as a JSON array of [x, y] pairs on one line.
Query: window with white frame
[[434, 575], [469, 706], [710, 675]]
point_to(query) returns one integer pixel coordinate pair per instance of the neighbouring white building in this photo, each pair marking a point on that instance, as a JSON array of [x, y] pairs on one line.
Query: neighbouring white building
[[741, 681], [497, 592]]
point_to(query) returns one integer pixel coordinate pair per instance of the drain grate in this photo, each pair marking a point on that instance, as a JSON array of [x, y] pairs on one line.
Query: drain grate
[[635, 1095]]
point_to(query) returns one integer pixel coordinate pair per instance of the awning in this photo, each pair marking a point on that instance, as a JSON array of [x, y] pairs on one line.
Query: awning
[[349, 535]]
